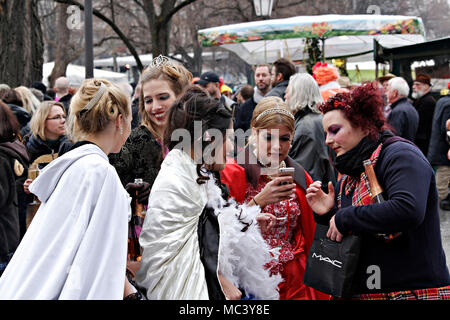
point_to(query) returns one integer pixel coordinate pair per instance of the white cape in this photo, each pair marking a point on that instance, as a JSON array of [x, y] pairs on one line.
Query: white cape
[[171, 268], [76, 246]]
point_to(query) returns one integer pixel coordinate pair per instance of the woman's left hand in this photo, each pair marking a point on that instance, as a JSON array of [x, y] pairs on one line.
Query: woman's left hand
[[333, 233], [266, 222]]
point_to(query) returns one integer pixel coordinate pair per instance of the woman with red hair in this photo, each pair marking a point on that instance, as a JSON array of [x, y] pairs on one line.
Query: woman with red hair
[[401, 237]]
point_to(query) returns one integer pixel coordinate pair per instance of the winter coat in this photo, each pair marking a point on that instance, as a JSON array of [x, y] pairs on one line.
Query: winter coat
[[308, 147], [13, 164], [279, 90], [21, 114], [404, 119], [414, 260], [243, 114], [37, 147], [425, 106], [437, 151], [65, 100]]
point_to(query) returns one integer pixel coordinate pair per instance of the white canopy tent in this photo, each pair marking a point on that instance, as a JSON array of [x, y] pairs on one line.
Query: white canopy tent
[[345, 36], [76, 74], [148, 57]]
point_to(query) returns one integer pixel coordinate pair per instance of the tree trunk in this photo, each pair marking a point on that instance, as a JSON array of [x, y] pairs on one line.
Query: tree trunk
[[160, 39], [160, 23], [62, 56], [22, 48]]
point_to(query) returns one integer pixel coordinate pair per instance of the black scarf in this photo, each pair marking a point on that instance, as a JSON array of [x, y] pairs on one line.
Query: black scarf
[[351, 162]]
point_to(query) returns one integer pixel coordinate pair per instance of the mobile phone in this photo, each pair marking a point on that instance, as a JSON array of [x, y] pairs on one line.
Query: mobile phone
[[289, 171]]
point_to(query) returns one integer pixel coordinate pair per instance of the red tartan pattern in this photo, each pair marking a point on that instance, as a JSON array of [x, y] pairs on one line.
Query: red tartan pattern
[[362, 195], [442, 293], [281, 238]]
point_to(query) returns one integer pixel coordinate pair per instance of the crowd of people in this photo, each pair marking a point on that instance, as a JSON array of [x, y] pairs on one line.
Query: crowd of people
[[184, 189]]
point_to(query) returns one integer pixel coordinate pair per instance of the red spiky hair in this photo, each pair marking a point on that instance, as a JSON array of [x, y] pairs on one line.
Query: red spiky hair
[[363, 107]]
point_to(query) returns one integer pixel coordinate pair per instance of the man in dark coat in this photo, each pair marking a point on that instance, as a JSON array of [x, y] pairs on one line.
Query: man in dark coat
[[403, 118], [424, 104], [282, 70], [243, 113], [438, 149]]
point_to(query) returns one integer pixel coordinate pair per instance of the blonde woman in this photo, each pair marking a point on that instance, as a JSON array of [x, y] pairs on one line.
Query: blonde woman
[[256, 181], [162, 82], [47, 128], [29, 101], [76, 245], [47, 133]]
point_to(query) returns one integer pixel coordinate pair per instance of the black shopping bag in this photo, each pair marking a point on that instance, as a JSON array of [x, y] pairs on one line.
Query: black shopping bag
[[331, 265]]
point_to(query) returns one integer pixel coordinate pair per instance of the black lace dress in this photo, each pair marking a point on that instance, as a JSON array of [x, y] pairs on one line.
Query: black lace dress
[[140, 157]]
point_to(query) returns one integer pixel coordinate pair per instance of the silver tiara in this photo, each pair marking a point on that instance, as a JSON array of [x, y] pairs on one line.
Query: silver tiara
[[159, 62], [275, 110], [98, 95]]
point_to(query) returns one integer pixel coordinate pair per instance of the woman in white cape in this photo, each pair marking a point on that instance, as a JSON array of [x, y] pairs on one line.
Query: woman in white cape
[[76, 245], [176, 263]]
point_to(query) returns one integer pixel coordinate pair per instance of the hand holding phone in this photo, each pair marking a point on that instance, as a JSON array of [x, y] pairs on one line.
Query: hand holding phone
[[289, 171]]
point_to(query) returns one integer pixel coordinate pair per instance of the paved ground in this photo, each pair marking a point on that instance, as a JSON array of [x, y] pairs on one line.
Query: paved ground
[[445, 233]]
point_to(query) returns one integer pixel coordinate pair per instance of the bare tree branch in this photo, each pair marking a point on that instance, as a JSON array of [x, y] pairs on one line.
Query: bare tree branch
[[116, 29], [176, 9]]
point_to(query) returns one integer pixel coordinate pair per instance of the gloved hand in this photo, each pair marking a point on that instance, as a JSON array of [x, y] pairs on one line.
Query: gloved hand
[[139, 191]]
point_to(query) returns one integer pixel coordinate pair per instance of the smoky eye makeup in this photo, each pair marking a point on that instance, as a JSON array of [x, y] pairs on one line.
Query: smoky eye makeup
[[334, 129], [164, 97], [148, 100]]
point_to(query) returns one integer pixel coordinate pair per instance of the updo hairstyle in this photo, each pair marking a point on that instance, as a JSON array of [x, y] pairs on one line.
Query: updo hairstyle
[[110, 104]]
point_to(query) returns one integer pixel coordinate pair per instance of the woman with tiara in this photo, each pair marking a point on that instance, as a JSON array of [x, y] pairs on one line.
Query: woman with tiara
[[255, 180], [162, 82]]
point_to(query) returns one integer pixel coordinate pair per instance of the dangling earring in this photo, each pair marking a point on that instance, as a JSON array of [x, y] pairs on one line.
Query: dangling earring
[[121, 130]]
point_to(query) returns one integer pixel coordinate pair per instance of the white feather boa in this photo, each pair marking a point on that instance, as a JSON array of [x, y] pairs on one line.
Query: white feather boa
[[242, 255]]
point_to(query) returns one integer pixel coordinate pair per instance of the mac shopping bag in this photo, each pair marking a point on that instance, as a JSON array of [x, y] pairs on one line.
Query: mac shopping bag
[[331, 265]]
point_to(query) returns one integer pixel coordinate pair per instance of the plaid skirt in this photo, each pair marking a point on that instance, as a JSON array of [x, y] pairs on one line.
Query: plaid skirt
[[442, 293]]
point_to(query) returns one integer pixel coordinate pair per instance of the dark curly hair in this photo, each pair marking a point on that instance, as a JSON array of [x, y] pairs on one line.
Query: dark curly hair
[[363, 107], [196, 106]]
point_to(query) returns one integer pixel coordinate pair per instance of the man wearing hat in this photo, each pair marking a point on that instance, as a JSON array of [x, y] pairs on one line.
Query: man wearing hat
[[383, 82], [210, 81], [424, 104]]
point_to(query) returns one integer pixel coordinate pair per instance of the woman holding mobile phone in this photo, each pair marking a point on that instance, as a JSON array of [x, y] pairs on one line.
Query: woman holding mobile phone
[[258, 179]]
